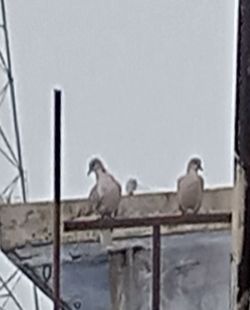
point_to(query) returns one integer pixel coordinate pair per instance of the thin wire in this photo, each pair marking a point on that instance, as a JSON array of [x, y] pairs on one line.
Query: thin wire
[[36, 297], [5, 139], [10, 278], [3, 62], [4, 94], [13, 287], [2, 67], [11, 294], [7, 157], [3, 89], [12, 183]]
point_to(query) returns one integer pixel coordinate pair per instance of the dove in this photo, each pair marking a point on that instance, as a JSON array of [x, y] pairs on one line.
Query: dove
[[93, 198], [105, 196], [190, 188], [131, 186]]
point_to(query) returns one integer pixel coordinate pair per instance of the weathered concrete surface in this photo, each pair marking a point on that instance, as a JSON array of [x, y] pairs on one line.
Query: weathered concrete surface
[[237, 235], [195, 272], [84, 278], [33, 222]]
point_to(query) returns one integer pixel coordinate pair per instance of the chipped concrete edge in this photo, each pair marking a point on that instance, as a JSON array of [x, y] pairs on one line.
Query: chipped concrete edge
[[32, 222]]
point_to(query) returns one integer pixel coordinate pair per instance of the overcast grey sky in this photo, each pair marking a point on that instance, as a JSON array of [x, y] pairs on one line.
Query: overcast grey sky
[[147, 83]]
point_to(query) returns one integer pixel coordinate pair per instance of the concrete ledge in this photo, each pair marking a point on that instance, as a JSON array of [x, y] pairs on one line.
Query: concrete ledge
[[32, 222]]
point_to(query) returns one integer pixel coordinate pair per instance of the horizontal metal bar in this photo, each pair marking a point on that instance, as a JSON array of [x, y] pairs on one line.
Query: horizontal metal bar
[[4, 295], [107, 223]]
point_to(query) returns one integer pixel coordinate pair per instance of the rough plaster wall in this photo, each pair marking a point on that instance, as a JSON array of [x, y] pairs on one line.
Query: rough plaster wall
[[33, 222], [195, 274], [237, 232], [130, 277]]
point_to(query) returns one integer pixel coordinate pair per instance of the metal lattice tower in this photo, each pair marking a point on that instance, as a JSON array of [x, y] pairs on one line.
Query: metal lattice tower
[[16, 289], [12, 156], [11, 159], [6, 291]]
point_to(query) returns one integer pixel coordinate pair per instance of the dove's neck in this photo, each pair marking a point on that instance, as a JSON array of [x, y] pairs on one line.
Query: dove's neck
[[99, 173], [192, 171]]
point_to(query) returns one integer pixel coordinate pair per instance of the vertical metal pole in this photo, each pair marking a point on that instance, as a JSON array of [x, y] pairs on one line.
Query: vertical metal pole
[[156, 267], [13, 101], [57, 199], [243, 147]]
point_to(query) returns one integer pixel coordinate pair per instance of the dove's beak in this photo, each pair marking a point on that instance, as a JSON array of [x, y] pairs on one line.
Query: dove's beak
[[89, 171]]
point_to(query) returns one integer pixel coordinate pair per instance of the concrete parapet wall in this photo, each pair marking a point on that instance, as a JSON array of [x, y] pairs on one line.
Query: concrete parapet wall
[[32, 222]]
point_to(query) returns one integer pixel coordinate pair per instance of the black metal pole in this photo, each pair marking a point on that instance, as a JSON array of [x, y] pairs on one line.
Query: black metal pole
[[57, 199], [243, 143], [13, 101], [156, 267]]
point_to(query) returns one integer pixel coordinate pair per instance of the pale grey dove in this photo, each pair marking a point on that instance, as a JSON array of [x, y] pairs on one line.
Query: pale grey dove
[[190, 188], [131, 186], [93, 199], [105, 196]]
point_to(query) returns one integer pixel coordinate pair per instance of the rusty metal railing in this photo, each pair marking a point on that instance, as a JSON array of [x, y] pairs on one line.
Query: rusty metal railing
[[155, 222]]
